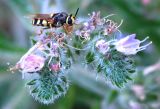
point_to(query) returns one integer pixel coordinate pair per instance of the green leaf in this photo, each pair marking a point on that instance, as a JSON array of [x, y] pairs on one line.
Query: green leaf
[[77, 45], [99, 68], [33, 42], [60, 88], [118, 68], [89, 57], [35, 90], [112, 96], [151, 97], [33, 82], [69, 53], [49, 86]]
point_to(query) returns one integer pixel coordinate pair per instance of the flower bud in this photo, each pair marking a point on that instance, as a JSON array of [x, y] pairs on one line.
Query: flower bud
[[55, 67], [102, 46], [32, 63]]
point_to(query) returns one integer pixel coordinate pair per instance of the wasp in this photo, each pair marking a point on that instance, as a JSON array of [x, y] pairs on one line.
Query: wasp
[[55, 20]]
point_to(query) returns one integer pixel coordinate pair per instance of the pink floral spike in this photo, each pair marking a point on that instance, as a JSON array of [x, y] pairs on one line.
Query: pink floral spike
[[130, 46]]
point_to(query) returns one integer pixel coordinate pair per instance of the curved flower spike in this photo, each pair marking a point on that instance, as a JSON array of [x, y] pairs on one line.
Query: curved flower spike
[[130, 46]]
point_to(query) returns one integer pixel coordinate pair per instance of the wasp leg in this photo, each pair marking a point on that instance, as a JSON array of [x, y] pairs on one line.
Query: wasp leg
[[68, 29], [50, 25], [41, 31]]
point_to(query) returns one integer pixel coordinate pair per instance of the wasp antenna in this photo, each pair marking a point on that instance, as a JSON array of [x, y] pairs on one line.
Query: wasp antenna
[[76, 12]]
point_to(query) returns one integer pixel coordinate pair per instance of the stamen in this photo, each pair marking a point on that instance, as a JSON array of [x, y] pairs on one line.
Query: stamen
[[120, 23], [147, 44], [114, 24], [108, 16], [145, 39], [141, 49]]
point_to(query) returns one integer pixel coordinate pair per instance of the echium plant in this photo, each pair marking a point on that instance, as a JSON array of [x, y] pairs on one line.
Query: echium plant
[[46, 64]]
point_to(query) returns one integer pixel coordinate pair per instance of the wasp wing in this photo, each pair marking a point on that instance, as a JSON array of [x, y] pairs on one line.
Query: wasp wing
[[41, 16]]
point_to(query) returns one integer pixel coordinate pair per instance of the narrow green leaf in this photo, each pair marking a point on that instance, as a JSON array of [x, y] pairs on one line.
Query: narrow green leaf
[[99, 68], [33, 82], [89, 57], [112, 96], [35, 90]]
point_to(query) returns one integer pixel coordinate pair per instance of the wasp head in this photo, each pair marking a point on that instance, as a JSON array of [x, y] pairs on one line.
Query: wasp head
[[71, 18]]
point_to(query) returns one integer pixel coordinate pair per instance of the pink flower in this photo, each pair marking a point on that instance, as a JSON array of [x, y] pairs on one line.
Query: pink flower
[[152, 68], [146, 2], [135, 105], [55, 67], [32, 63], [102, 46], [89, 26], [53, 49], [84, 34], [86, 30], [139, 91], [129, 45], [96, 19], [111, 27]]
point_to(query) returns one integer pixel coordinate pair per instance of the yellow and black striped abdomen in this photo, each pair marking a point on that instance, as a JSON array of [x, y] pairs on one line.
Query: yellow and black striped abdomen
[[40, 22]]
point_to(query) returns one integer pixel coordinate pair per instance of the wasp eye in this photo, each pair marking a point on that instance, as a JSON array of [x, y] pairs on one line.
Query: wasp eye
[[70, 21]]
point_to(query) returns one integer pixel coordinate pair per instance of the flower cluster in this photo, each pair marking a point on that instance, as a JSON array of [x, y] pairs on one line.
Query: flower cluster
[[127, 45], [44, 67], [107, 53], [46, 63], [89, 26]]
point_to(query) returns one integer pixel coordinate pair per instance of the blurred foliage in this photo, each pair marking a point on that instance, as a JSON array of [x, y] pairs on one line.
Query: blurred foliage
[[87, 92]]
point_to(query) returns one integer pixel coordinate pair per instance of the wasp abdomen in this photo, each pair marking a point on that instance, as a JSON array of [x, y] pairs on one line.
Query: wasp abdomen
[[39, 22]]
